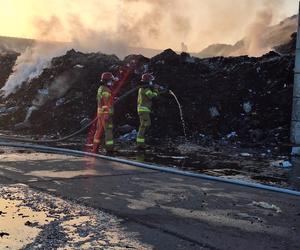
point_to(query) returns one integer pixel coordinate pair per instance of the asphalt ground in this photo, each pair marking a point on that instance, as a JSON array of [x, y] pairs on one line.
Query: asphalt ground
[[166, 211]]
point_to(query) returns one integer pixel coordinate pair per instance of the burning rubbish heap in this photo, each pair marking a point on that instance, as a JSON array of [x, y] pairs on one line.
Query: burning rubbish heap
[[242, 98], [7, 61]]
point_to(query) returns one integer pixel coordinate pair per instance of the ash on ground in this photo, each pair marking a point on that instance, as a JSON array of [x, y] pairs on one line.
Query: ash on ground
[[35, 220]]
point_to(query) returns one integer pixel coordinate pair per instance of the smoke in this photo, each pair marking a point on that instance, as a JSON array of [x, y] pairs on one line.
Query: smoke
[[55, 90], [257, 32], [160, 22], [29, 65], [36, 58], [184, 47], [205, 22], [113, 27], [254, 38]]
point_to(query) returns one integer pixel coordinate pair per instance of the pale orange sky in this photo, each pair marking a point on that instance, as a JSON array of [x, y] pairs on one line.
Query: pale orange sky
[[18, 18]]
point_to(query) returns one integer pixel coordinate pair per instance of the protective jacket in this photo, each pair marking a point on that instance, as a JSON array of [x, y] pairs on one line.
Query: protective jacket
[[105, 117], [144, 104], [104, 101], [145, 97]]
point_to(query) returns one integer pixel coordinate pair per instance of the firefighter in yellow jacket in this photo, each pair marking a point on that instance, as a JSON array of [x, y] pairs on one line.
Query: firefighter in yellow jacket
[[105, 112], [144, 103]]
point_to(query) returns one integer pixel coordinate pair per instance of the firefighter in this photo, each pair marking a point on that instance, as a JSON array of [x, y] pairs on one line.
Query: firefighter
[[146, 93], [105, 112]]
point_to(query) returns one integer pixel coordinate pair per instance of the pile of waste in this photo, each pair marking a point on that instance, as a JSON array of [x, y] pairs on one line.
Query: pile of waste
[[289, 47], [237, 98], [271, 37], [7, 61]]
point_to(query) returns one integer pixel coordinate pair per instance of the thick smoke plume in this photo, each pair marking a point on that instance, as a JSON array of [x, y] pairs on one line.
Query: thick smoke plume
[[57, 89], [30, 64], [115, 26], [257, 38]]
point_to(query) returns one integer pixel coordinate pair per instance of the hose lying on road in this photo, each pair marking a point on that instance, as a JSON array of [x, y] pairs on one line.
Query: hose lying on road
[[21, 139], [46, 149]]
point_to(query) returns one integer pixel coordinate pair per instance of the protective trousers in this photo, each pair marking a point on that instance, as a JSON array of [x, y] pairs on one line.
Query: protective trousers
[[105, 121], [145, 123]]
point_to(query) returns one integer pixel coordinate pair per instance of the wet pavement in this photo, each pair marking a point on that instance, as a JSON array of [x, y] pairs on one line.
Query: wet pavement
[[227, 161], [244, 162], [162, 211]]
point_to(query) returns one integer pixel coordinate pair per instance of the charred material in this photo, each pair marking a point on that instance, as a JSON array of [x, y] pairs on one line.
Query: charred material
[[249, 96], [7, 61]]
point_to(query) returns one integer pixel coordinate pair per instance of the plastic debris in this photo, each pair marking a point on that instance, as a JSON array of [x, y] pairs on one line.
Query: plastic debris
[[43, 91], [232, 135], [129, 136], [214, 112], [247, 107], [245, 154], [281, 164], [60, 101], [78, 66]]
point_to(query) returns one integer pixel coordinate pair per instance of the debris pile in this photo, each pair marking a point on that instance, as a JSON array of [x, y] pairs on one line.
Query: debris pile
[[248, 97], [237, 98], [270, 37], [289, 47], [7, 61]]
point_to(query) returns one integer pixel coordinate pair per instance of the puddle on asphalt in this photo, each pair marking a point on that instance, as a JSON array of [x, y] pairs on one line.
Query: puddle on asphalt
[[19, 225], [194, 158], [63, 174]]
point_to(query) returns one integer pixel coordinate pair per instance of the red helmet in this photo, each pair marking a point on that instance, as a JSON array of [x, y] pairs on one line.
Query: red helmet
[[147, 77], [107, 76]]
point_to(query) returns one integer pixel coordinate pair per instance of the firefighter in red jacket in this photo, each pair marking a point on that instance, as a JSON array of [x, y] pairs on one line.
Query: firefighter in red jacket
[[105, 112]]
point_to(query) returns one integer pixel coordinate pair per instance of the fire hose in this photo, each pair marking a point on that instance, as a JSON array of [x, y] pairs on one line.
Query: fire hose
[[47, 149], [169, 170], [21, 139]]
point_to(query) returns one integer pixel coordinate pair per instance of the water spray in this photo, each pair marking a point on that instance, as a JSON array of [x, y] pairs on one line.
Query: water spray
[[180, 112]]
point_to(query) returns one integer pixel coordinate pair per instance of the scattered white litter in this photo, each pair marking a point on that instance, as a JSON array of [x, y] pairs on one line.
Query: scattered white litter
[[247, 107], [281, 164], [266, 205], [173, 157], [214, 112], [231, 135], [245, 154], [78, 66], [60, 101], [43, 91]]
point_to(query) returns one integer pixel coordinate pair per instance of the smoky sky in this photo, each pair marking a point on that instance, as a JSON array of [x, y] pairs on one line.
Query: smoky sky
[[113, 26]]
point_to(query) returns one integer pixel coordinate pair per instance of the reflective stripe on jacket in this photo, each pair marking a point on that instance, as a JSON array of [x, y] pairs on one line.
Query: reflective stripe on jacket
[[144, 102], [104, 99]]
